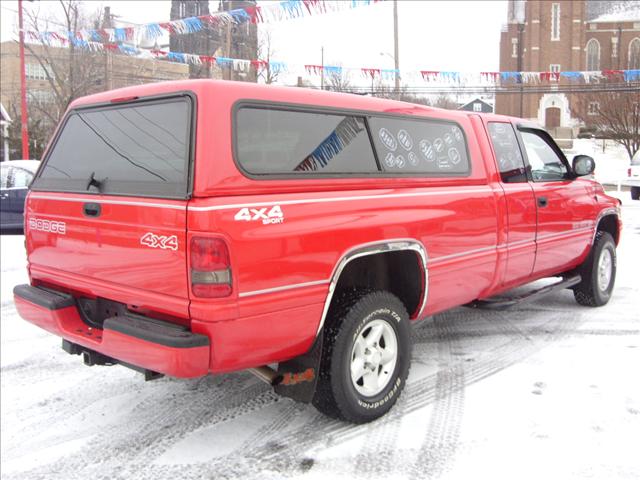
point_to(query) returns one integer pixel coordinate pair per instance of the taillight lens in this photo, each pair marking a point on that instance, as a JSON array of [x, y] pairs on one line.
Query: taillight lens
[[629, 172], [210, 268]]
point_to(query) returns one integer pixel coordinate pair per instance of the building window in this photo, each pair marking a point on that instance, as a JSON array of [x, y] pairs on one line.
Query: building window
[[477, 107], [554, 67], [593, 55], [35, 71], [555, 21], [593, 108], [514, 48], [634, 54], [41, 96], [614, 47]]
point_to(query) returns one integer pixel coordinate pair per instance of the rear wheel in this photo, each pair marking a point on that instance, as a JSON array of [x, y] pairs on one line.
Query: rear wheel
[[365, 358], [598, 272], [635, 193]]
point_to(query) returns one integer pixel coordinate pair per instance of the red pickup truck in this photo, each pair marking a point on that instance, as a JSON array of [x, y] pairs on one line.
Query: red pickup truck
[[197, 227]]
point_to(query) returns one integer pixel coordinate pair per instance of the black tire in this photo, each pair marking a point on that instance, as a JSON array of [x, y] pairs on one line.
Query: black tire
[[591, 291], [635, 193], [349, 318]]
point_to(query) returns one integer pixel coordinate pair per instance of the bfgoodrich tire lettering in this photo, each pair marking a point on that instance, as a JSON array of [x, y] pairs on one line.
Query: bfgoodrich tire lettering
[[350, 319], [598, 272]]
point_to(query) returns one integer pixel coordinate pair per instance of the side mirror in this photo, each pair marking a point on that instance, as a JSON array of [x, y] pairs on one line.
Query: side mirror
[[583, 165]]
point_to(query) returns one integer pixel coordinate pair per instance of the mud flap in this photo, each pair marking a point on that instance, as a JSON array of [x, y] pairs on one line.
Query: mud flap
[[300, 375]]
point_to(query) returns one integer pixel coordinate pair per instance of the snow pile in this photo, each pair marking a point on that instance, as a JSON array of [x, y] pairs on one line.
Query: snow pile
[[612, 161]]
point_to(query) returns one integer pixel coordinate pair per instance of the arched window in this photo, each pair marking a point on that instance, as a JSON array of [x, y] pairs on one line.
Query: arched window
[[634, 54], [593, 54]]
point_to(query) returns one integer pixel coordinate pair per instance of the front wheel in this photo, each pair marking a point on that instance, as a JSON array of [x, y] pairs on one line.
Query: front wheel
[[635, 193], [366, 356], [598, 272]]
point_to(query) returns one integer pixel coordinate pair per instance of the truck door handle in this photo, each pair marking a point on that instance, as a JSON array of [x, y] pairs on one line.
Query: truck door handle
[[91, 209], [542, 202]]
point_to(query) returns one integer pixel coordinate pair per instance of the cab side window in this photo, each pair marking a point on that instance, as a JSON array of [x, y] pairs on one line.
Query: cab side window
[[508, 155], [546, 164]]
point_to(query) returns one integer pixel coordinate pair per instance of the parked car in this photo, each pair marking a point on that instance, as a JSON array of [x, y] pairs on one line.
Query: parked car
[[196, 227], [15, 175], [633, 176]]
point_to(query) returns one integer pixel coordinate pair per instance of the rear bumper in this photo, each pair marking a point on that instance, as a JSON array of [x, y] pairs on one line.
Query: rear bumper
[[143, 342]]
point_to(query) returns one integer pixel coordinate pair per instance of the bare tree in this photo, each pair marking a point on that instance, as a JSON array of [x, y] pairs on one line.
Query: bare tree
[[384, 91], [266, 51], [40, 126], [70, 71], [338, 79], [444, 101], [615, 114]]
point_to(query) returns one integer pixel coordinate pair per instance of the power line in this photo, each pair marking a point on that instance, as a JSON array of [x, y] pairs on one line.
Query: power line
[[499, 90]]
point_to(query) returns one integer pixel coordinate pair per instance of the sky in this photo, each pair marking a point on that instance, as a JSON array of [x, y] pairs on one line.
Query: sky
[[434, 35]]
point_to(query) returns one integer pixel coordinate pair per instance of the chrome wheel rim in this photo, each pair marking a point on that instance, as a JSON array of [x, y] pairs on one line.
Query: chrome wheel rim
[[605, 267], [373, 357]]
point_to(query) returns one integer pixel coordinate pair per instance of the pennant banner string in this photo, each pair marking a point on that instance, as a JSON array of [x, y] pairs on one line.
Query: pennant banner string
[[429, 76], [268, 13]]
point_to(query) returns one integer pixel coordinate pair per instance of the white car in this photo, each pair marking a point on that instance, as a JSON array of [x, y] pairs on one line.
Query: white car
[[633, 176]]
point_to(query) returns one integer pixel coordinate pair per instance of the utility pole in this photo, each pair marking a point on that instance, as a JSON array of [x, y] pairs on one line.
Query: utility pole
[[108, 59], [228, 50], [396, 48], [23, 89], [322, 69]]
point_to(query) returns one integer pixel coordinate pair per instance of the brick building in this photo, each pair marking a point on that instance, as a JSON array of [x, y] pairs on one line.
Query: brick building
[[550, 36], [230, 41]]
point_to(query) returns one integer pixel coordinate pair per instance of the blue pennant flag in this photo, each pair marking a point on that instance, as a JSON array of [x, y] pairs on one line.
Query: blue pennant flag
[[631, 75], [571, 75]]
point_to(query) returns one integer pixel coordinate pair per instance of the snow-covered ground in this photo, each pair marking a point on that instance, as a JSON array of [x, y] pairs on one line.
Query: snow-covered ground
[[545, 390], [612, 160]]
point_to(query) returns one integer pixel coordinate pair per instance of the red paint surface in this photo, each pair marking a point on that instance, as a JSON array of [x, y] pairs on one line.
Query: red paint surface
[[469, 227], [65, 322]]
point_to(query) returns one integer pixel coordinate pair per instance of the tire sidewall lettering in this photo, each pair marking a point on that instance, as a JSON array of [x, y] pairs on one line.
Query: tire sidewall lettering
[[393, 389]]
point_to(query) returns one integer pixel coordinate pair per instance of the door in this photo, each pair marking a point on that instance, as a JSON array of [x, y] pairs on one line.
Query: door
[[520, 199], [563, 204], [552, 118]]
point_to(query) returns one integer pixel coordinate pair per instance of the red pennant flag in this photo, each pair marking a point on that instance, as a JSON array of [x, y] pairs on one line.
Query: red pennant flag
[[490, 75], [429, 74], [314, 69], [168, 26], [371, 72], [207, 58], [612, 73], [258, 64]]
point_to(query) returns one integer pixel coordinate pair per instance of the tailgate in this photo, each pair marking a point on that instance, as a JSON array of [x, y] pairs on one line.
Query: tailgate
[[106, 216]]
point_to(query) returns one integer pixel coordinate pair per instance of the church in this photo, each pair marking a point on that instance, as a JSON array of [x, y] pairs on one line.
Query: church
[[559, 36]]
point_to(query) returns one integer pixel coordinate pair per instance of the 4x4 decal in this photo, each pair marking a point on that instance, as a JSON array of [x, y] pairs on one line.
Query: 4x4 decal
[[274, 215], [159, 241]]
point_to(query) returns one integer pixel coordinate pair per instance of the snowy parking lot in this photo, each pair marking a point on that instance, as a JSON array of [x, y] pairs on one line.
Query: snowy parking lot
[[548, 389]]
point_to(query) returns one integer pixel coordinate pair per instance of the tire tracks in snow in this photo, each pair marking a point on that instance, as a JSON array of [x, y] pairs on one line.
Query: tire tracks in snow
[[147, 438], [323, 432]]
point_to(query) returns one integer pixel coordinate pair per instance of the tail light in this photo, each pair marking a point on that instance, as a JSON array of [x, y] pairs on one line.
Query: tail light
[[210, 268], [629, 172]]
